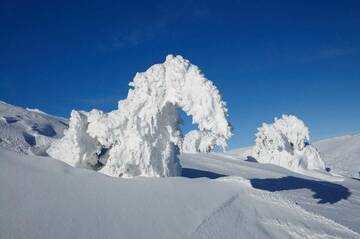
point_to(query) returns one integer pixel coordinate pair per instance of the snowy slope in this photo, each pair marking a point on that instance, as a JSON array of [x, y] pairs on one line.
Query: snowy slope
[[342, 154], [28, 131], [218, 197]]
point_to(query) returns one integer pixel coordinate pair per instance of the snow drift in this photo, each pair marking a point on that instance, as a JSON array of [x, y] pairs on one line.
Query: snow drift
[[286, 143], [141, 137]]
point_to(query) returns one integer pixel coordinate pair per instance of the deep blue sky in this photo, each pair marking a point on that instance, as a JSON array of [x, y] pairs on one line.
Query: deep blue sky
[[266, 57]]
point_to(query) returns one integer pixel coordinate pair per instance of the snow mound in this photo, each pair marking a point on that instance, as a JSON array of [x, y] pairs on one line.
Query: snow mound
[[285, 143], [28, 131], [141, 137]]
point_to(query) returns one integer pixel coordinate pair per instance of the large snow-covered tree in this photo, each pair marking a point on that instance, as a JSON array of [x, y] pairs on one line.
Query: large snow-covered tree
[[286, 143], [141, 137]]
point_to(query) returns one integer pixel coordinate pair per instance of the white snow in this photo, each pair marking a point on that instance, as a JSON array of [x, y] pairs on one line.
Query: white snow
[[341, 154], [28, 131], [285, 143], [141, 137], [79, 149], [196, 141], [219, 196]]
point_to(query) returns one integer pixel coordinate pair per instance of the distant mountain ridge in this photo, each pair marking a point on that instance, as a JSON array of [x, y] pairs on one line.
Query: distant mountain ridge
[[28, 131]]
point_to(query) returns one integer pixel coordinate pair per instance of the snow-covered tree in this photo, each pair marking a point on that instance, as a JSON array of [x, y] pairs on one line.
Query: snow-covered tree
[[286, 143], [197, 141], [141, 137], [77, 148]]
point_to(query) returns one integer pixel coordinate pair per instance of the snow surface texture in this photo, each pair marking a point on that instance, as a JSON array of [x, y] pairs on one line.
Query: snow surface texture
[[285, 143], [141, 137], [219, 197], [342, 154], [28, 131]]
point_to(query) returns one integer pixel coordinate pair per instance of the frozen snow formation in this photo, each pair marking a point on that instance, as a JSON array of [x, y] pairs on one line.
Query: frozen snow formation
[[197, 141], [77, 148], [141, 137], [286, 143]]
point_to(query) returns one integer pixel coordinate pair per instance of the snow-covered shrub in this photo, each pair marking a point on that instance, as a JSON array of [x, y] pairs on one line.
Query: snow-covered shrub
[[197, 141], [286, 143], [141, 137]]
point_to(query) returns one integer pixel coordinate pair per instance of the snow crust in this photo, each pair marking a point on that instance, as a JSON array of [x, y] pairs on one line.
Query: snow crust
[[141, 137], [286, 143]]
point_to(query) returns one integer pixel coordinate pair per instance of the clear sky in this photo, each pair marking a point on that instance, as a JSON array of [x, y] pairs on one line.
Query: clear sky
[[266, 57]]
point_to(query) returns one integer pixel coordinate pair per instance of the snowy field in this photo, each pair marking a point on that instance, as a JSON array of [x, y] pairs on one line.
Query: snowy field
[[108, 174], [342, 154], [218, 196], [152, 104]]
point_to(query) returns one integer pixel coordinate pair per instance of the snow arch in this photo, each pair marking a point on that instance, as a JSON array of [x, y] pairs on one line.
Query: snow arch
[[196, 141], [141, 137]]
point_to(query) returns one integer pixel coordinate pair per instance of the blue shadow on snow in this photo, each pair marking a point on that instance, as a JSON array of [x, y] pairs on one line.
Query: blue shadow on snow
[[195, 173], [326, 192]]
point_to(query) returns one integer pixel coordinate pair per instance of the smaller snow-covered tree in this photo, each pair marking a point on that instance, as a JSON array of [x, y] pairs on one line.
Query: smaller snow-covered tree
[[286, 143], [77, 148]]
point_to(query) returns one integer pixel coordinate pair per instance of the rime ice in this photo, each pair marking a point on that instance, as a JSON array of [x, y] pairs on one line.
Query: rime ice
[[141, 137], [285, 143], [197, 141]]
